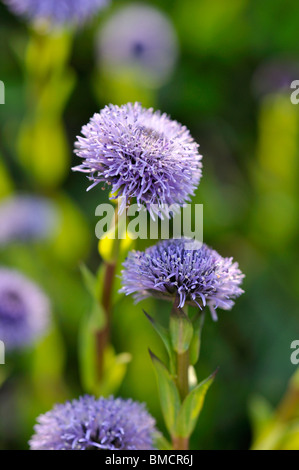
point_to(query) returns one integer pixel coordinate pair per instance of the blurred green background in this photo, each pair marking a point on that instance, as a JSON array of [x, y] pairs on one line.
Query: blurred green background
[[248, 132]]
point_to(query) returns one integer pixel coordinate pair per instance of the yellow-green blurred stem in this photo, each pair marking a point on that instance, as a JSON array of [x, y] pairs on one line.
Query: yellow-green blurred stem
[[103, 336]]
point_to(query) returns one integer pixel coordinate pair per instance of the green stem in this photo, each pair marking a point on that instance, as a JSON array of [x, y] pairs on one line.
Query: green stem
[[103, 335], [180, 443], [182, 374], [182, 380]]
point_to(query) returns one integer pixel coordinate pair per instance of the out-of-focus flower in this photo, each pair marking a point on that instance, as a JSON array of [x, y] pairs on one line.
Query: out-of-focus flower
[[138, 40], [27, 218], [57, 12], [274, 76], [141, 154], [24, 310], [199, 276], [95, 424]]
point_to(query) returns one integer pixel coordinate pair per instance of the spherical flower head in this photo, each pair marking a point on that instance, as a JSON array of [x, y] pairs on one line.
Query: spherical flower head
[[138, 41], [95, 424], [27, 218], [140, 153], [56, 12], [186, 269], [24, 310]]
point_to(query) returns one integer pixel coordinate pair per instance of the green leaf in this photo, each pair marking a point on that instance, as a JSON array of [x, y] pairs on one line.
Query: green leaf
[[70, 249], [160, 442], [89, 279], [261, 415], [194, 350], [290, 439], [169, 395], [181, 330], [165, 336], [6, 184], [91, 324], [48, 358], [115, 367], [191, 408]]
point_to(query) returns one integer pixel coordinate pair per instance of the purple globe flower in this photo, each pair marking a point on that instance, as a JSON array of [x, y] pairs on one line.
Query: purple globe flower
[[57, 12], [95, 424], [27, 218], [199, 276], [141, 154], [24, 310], [138, 41]]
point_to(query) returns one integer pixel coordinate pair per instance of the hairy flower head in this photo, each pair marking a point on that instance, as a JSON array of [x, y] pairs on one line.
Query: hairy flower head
[[95, 424], [140, 153], [198, 275]]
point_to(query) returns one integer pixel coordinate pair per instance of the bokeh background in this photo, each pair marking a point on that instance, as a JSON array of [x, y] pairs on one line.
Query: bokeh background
[[229, 83]]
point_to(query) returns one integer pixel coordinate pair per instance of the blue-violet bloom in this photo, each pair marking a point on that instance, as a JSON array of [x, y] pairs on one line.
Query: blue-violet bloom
[[193, 272], [95, 424], [140, 153], [56, 12]]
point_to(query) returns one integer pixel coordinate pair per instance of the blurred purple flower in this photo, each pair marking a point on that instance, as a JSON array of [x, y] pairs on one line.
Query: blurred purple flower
[[141, 154], [95, 424], [199, 276], [140, 40], [24, 310], [275, 76], [57, 12], [27, 218]]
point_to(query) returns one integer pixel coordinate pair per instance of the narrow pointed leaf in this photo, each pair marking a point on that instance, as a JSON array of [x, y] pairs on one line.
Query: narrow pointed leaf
[[169, 395], [165, 337], [191, 408], [89, 279], [115, 367]]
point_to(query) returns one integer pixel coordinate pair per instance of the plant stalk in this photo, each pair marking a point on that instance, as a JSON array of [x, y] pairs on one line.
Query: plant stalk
[[182, 374], [180, 443], [103, 335], [182, 380]]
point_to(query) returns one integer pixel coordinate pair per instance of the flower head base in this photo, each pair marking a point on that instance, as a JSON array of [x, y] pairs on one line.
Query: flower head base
[[27, 218], [199, 276], [140, 42], [95, 424], [24, 310], [57, 12], [141, 154]]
